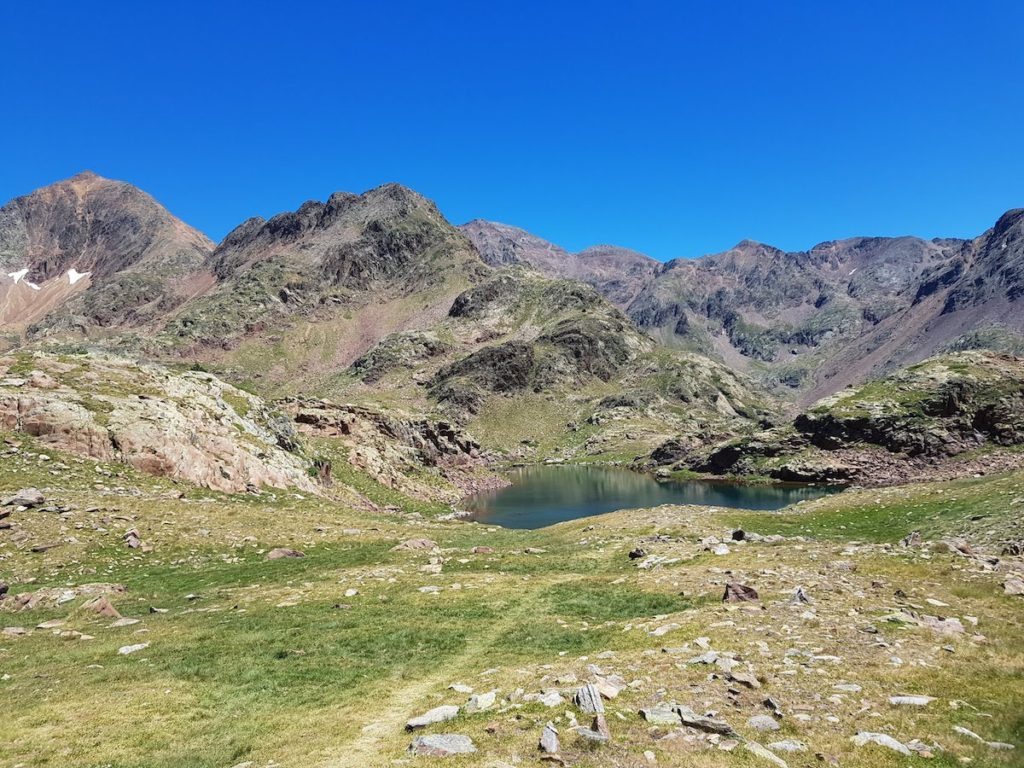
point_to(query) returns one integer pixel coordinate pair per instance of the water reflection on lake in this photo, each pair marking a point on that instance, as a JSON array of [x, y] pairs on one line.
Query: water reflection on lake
[[545, 495]]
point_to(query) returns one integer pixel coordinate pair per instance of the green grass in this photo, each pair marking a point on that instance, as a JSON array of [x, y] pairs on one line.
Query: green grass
[[272, 662]]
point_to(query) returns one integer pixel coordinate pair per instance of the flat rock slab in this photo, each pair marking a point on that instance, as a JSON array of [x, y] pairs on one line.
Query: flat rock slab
[[661, 714], [703, 722], [26, 497], [435, 715], [480, 702], [756, 749], [911, 701], [442, 745], [763, 723], [881, 739], [129, 649], [788, 745]]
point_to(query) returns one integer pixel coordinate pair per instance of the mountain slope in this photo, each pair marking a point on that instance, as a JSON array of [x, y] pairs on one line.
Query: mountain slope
[[949, 416], [618, 273], [305, 293], [543, 368], [103, 250], [818, 320]]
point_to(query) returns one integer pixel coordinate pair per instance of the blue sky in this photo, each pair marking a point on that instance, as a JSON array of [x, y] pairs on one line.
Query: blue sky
[[676, 128]]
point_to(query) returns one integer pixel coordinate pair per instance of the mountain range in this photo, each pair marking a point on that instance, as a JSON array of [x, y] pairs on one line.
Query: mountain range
[[377, 297]]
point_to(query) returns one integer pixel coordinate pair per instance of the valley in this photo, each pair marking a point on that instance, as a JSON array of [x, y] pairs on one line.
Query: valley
[[234, 481]]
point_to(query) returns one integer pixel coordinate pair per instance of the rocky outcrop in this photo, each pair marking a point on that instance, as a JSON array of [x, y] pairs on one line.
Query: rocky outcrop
[[395, 451], [930, 412], [186, 426]]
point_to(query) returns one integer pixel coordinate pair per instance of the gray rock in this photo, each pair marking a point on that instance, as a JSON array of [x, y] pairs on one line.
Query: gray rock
[[745, 678], [415, 544], [597, 732], [703, 722], [26, 497], [480, 702], [881, 739], [661, 714], [912, 539], [1014, 585], [788, 745], [756, 749], [911, 701], [991, 744], [588, 699], [800, 597], [435, 715], [442, 745], [763, 723], [549, 740]]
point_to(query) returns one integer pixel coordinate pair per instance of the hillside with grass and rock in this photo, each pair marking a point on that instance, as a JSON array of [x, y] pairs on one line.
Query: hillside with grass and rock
[[232, 483], [952, 415]]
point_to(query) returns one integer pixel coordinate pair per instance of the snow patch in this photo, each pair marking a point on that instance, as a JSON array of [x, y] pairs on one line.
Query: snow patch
[[74, 275], [33, 286], [17, 276]]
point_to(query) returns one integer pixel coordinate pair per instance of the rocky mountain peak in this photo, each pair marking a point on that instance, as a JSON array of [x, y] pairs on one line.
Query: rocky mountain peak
[[96, 225]]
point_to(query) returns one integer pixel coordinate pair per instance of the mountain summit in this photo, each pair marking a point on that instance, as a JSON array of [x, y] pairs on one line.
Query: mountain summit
[[103, 249]]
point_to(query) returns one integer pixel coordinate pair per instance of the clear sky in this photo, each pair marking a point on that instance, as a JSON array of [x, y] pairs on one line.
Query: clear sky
[[673, 128]]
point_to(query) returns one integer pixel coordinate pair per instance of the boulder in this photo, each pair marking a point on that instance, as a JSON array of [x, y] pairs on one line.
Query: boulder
[[881, 739], [1013, 585], [763, 723], [282, 552], [549, 740], [432, 717], [738, 593], [102, 606], [26, 497], [588, 699], [442, 745]]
